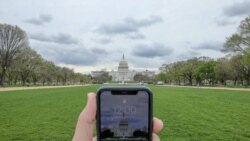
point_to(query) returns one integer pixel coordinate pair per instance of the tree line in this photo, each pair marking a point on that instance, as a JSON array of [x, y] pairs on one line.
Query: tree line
[[21, 65], [233, 69]]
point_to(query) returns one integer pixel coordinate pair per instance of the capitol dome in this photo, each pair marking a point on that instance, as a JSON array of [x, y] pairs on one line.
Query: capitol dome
[[123, 65], [122, 74], [123, 123]]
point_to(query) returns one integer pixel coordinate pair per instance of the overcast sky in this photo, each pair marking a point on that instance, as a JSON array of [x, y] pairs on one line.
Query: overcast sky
[[91, 35]]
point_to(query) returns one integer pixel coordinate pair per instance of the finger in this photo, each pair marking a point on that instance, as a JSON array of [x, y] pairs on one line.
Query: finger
[[94, 139], [157, 125], [89, 112], [84, 127], [155, 138]]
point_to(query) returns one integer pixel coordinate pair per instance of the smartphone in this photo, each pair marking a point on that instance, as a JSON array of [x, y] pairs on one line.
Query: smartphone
[[124, 114]]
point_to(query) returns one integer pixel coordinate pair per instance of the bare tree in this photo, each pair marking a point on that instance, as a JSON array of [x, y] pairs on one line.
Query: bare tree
[[239, 44], [12, 38], [27, 63]]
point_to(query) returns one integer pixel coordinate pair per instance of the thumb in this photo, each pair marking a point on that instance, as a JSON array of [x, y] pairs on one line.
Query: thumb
[[84, 127], [89, 112]]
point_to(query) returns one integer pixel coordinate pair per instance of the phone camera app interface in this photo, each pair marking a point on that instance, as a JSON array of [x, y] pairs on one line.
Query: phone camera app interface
[[124, 117]]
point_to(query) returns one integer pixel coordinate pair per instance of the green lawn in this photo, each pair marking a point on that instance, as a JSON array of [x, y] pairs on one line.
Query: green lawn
[[188, 114]]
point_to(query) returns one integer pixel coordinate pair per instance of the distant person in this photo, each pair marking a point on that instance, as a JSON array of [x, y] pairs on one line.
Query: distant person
[[86, 121]]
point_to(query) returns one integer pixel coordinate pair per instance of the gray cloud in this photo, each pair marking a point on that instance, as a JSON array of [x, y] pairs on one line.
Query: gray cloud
[[79, 56], [238, 9], [103, 41], [187, 55], [99, 50], [135, 36], [170, 33], [216, 46], [40, 20], [224, 22], [60, 38], [128, 25], [66, 54], [151, 50]]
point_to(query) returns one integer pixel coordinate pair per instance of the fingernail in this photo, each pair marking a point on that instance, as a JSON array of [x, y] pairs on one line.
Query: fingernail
[[89, 94]]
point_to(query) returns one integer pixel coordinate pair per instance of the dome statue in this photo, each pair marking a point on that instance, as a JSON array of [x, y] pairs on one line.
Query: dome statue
[[123, 122], [124, 126], [123, 65], [123, 74]]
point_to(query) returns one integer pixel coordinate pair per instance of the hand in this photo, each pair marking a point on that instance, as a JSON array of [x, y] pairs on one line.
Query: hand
[[85, 124]]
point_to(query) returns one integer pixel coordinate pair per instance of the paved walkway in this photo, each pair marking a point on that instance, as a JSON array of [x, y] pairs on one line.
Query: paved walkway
[[38, 87], [49, 87], [216, 88]]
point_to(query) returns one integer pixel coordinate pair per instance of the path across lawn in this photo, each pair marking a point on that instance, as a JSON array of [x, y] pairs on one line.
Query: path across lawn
[[38, 87], [215, 88], [47, 87]]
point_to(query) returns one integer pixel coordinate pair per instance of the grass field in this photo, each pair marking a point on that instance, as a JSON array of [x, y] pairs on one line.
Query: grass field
[[188, 114]]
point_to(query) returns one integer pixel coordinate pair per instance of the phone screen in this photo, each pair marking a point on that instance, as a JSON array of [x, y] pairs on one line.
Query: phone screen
[[124, 117]]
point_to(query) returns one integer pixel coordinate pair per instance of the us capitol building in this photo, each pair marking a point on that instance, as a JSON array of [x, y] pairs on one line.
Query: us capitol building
[[123, 74]]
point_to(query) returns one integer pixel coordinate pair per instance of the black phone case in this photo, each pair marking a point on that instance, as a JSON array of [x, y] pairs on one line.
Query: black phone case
[[124, 88]]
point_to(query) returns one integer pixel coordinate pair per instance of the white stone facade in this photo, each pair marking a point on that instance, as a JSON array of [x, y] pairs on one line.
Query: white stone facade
[[123, 74]]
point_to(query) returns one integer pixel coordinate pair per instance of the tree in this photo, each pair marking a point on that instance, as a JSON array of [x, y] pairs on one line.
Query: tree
[[244, 30], [238, 69], [36, 70], [28, 63], [12, 73], [223, 70], [20, 63], [187, 69], [206, 72], [239, 44], [59, 75], [143, 78], [102, 78], [242, 68], [176, 72], [12, 39], [161, 77], [240, 41], [66, 74], [87, 78], [45, 72], [234, 44]]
